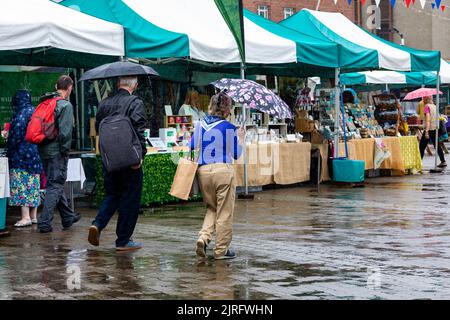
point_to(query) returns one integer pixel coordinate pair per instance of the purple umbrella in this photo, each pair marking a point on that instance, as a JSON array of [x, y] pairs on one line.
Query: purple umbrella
[[255, 96]]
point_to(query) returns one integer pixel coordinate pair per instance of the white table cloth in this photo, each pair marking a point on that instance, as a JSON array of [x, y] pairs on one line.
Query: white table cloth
[[75, 171], [4, 178]]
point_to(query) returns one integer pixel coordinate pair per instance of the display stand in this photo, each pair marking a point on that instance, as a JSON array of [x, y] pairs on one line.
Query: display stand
[[387, 112]]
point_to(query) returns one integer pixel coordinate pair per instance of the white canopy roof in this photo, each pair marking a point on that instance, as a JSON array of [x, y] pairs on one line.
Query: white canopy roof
[[26, 24]]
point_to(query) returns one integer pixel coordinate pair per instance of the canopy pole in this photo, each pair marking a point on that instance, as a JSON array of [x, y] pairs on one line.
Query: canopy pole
[[438, 114], [387, 87], [244, 122], [336, 110], [76, 111], [83, 114]]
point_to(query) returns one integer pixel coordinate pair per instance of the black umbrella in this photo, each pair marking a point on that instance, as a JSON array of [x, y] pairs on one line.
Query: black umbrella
[[118, 69]]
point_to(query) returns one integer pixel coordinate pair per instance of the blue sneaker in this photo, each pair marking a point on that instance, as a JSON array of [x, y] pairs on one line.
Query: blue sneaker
[[130, 246], [230, 254]]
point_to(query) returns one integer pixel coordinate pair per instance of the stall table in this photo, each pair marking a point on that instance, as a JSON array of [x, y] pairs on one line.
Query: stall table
[[275, 163], [404, 151]]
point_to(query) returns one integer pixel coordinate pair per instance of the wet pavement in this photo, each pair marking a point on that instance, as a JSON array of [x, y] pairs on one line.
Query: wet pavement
[[387, 240]]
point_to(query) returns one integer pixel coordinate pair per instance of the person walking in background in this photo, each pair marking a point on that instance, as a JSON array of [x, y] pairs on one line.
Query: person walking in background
[[123, 187], [55, 156], [219, 142], [430, 130], [24, 162]]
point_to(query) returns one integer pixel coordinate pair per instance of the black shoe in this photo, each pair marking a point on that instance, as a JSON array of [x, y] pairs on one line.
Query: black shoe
[[230, 254], [201, 248], [45, 230], [442, 165], [75, 219]]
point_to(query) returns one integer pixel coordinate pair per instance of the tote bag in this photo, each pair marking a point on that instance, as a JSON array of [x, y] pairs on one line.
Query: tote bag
[[184, 183]]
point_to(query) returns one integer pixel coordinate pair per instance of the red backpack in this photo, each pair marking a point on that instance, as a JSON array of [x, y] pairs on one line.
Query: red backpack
[[42, 124]]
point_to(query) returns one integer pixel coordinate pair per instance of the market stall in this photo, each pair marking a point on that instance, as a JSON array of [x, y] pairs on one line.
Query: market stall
[[358, 49]]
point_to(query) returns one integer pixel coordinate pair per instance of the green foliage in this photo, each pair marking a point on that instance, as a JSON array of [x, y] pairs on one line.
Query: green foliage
[[2, 142], [159, 170]]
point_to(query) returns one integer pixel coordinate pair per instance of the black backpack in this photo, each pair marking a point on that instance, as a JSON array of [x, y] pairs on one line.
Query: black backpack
[[120, 147]]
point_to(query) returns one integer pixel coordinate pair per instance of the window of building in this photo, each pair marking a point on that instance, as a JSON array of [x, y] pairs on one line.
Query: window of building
[[288, 12], [263, 11]]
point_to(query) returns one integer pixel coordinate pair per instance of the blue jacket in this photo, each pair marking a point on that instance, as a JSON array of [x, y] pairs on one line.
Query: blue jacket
[[219, 141], [21, 154]]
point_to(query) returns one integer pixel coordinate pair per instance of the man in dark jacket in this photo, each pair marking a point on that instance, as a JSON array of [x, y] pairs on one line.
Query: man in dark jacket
[[123, 188], [54, 156]]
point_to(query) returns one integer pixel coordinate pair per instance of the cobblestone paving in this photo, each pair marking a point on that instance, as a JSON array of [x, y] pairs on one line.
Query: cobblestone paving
[[387, 240]]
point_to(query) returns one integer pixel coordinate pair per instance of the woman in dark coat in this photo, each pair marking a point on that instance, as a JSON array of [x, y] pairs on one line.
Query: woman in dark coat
[[24, 162]]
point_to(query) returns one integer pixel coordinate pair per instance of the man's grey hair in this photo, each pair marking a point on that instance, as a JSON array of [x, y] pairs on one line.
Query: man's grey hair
[[129, 82]]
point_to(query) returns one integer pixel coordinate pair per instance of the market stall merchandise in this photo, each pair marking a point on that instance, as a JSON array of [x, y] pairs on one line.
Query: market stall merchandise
[[387, 113]]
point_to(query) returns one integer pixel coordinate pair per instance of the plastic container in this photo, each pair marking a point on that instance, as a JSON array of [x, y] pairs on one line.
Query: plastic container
[[3, 213], [345, 170]]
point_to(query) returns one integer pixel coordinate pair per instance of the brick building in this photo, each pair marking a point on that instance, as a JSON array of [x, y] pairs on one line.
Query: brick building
[[278, 10]]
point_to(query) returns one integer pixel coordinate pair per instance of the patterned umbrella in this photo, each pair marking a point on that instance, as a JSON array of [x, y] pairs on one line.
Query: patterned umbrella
[[420, 93], [255, 96]]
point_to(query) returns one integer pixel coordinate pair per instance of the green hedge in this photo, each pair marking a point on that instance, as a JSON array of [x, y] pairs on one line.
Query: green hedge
[[159, 170]]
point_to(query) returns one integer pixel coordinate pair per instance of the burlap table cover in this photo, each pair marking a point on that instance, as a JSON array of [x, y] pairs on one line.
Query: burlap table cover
[[270, 163], [293, 164], [395, 161], [364, 149], [259, 166], [351, 150]]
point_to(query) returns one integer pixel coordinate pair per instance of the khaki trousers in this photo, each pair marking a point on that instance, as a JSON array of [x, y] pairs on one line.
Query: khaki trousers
[[218, 187]]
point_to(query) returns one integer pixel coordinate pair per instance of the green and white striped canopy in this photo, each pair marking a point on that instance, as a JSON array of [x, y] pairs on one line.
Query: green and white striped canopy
[[359, 48], [41, 32], [206, 30], [393, 77]]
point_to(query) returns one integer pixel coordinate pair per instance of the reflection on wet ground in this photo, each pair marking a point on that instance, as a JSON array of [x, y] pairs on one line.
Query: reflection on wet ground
[[390, 239]]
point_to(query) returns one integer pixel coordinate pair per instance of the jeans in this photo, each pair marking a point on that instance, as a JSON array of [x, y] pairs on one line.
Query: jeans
[[424, 142], [56, 173], [123, 193]]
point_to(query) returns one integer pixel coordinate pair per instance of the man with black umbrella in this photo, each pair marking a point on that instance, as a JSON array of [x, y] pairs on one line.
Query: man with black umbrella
[[124, 186]]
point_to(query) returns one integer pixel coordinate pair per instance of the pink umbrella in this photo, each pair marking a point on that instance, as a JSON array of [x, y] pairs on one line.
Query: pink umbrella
[[420, 93]]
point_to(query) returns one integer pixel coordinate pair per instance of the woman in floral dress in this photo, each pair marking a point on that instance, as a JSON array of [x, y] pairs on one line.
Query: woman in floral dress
[[24, 162]]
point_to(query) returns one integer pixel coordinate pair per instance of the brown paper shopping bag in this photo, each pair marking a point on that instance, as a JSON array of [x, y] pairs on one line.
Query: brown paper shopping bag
[[184, 179]]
